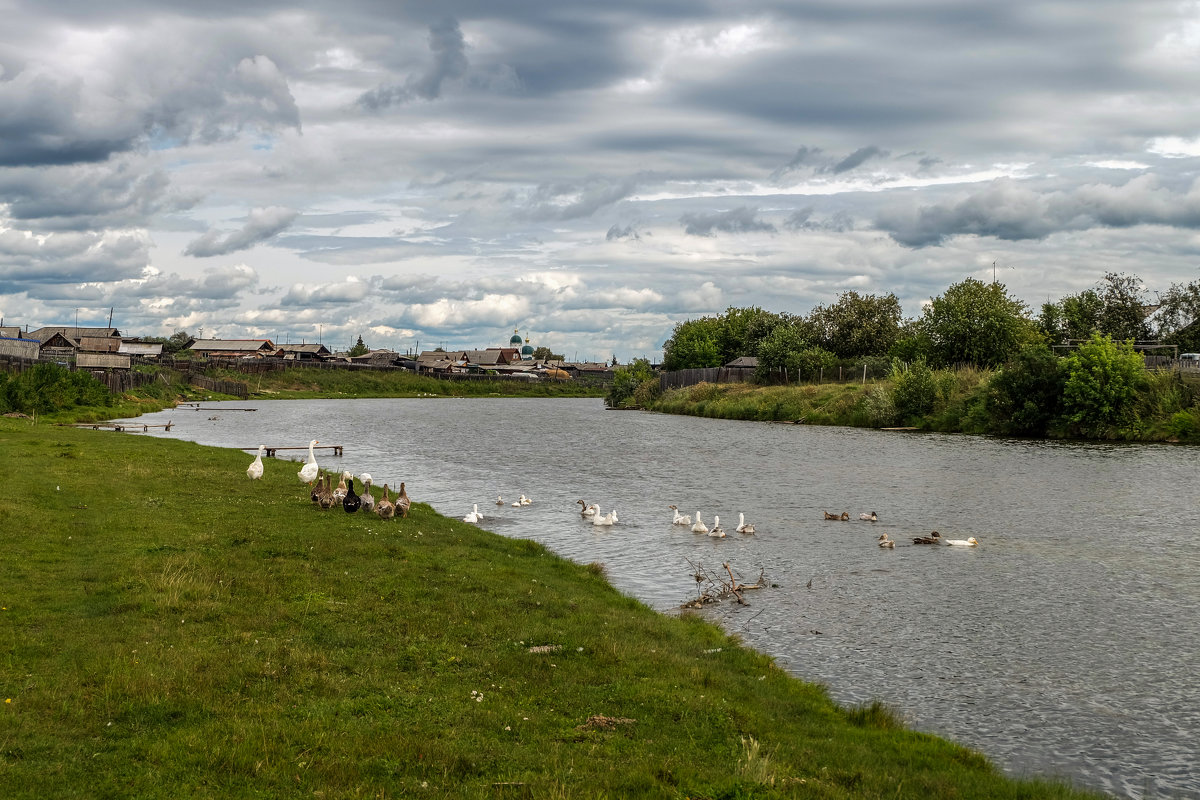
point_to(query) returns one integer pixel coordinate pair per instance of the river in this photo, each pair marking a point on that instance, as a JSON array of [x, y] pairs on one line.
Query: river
[[1065, 644]]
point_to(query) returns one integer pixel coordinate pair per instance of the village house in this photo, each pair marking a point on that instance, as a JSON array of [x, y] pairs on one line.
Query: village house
[[302, 352], [18, 347], [437, 361], [231, 348], [376, 358]]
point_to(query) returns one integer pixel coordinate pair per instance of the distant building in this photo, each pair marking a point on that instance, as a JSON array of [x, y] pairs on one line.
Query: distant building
[[376, 358], [232, 348], [302, 352], [74, 334], [141, 349], [20, 348]]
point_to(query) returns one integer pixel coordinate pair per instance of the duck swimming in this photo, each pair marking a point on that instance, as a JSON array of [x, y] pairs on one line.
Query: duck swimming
[[868, 517], [970, 542], [680, 519], [933, 538], [843, 516], [884, 541]]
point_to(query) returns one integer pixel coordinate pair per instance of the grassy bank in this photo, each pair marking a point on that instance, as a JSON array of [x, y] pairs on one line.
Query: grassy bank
[[171, 629], [309, 383]]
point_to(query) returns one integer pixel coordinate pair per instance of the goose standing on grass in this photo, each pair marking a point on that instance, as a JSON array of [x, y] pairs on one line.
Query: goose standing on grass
[[474, 516], [255, 470], [885, 542], [315, 493], [339, 493], [351, 502], [717, 530], [743, 526], [403, 502], [969, 542], [384, 508], [308, 473], [680, 519], [326, 501], [368, 501], [699, 526]]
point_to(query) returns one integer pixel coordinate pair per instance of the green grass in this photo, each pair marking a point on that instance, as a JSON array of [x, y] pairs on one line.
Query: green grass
[[170, 629], [311, 382]]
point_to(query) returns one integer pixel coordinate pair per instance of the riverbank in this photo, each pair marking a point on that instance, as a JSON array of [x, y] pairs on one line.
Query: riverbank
[[177, 630], [1166, 408]]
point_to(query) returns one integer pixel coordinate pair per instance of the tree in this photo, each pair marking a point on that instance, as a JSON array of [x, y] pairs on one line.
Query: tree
[[176, 342], [1123, 315], [1178, 313], [1025, 396], [544, 354], [976, 323], [741, 330], [1074, 318], [780, 354], [693, 345], [858, 325], [359, 349], [1100, 392], [626, 381]]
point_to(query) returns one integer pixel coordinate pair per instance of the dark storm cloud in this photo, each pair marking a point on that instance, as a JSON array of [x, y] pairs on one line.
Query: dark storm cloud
[[1007, 209], [738, 220], [261, 225], [856, 159], [70, 257], [617, 232], [449, 62]]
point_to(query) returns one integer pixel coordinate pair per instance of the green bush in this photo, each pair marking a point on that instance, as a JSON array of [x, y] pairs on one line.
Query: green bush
[[914, 388], [1101, 389], [1024, 397], [47, 388]]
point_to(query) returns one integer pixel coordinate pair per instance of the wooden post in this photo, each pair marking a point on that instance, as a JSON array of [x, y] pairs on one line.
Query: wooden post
[[864, 373]]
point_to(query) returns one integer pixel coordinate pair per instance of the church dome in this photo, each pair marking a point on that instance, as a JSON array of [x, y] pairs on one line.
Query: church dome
[[516, 339]]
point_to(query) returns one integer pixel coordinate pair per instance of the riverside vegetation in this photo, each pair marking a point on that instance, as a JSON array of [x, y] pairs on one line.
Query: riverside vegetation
[[172, 629]]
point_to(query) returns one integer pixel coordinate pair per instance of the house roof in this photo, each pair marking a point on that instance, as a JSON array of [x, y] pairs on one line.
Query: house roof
[[486, 358], [141, 348], [304, 348], [72, 333], [744, 361], [231, 345], [99, 344]]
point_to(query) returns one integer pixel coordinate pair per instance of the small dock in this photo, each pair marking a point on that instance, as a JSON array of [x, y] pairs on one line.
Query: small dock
[[123, 426], [270, 451]]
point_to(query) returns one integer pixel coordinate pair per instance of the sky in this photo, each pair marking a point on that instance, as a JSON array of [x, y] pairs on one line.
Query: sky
[[438, 174]]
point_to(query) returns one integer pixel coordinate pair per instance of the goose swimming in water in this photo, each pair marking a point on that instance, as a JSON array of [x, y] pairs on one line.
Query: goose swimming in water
[[605, 519], [499, 500], [845, 515], [255, 470], [868, 517], [884, 541], [474, 516], [699, 526], [743, 526], [308, 473], [717, 530], [680, 519], [970, 542]]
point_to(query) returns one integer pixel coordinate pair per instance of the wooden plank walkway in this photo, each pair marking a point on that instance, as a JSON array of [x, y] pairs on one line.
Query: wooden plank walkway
[[270, 451], [124, 426]]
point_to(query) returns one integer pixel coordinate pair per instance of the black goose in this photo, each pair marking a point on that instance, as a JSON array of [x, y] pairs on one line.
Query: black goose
[[351, 501]]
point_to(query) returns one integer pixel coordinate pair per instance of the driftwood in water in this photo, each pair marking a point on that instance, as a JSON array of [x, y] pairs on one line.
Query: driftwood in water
[[713, 588]]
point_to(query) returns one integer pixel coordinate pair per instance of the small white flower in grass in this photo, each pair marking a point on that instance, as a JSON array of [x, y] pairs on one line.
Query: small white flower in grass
[[508, 727]]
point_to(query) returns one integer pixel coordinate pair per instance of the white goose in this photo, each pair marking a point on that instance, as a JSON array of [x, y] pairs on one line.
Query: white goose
[[743, 526], [605, 519], [680, 519], [717, 530], [699, 527], [521, 501], [970, 542], [474, 516], [255, 470], [308, 473]]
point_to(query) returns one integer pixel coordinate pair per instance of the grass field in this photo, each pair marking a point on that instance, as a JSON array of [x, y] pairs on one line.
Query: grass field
[[170, 629]]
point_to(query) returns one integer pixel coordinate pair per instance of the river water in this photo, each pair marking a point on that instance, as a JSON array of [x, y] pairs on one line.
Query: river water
[[1065, 644]]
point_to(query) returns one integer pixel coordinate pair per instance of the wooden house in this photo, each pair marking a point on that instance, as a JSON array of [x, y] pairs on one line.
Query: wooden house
[[441, 361], [302, 352], [17, 347], [141, 349], [232, 348]]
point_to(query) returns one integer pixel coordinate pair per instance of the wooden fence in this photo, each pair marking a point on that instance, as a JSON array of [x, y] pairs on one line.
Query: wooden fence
[[235, 388], [689, 377]]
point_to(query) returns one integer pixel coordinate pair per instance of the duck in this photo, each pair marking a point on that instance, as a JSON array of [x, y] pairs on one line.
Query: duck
[[474, 516], [340, 492], [351, 502], [255, 470], [499, 500], [522, 501], [716, 529], [605, 519], [384, 508], [845, 515], [368, 500], [587, 510], [884, 541], [308, 473], [326, 500], [680, 519], [403, 503], [968, 542], [315, 493], [933, 538], [699, 526], [868, 517], [743, 526]]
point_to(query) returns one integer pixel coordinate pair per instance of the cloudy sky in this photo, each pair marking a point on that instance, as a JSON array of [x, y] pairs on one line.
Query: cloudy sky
[[591, 173]]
